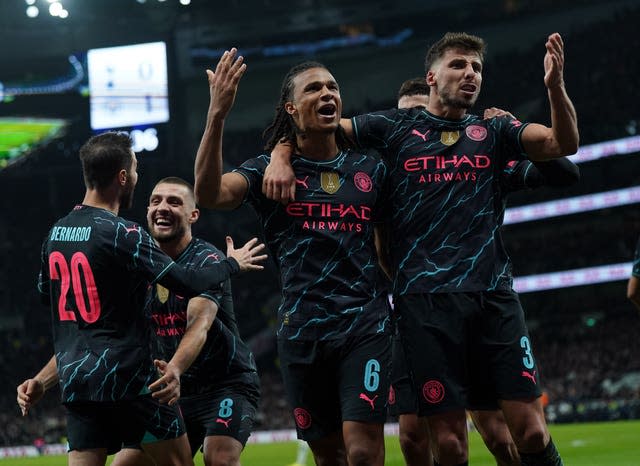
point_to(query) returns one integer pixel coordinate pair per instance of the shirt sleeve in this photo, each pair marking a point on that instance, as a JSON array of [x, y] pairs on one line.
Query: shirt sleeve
[[253, 171], [510, 146], [373, 130], [140, 253]]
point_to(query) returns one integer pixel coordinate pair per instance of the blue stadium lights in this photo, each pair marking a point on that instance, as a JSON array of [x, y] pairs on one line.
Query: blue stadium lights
[[55, 8]]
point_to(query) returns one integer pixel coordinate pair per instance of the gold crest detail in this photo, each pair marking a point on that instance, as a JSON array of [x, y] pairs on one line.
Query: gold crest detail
[[330, 182], [449, 138], [162, 292]]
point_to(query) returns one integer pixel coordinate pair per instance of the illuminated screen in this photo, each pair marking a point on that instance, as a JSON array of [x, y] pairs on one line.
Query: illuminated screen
[[128, 85], [18, 136]]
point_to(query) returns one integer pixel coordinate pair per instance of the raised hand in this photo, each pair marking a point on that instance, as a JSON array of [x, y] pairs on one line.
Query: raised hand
[[223, 83], [247, 256], [554, 62]]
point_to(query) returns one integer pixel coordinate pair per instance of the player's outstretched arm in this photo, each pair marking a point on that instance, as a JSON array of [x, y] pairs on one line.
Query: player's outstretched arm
[[32, 390], [201, 313], [211, 188], [541, 142]]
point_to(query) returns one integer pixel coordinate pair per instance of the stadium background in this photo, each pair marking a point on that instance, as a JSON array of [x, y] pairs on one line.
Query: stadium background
[[584, 331]]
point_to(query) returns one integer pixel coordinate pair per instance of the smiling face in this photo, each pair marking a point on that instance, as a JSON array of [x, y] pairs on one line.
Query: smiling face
[[315, 104], [171, 212], [456, 78]]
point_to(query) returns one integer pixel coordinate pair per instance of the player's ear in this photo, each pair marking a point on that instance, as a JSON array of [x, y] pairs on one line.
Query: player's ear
[[431, 78], [195, 215], [122, 177], [290, 108]]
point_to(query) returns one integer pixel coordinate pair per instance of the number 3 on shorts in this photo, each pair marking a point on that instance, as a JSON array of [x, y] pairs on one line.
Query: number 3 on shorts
[[528, 356]]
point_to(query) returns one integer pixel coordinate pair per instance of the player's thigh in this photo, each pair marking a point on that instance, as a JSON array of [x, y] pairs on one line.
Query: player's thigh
[[434, 330], [90, 457], [364, 442], [491, 425], [364, 377], [97, 426], [129, 456], [402, 394], [170, 452], [504, 344], [219, 450], [309, 376], [228, 411]]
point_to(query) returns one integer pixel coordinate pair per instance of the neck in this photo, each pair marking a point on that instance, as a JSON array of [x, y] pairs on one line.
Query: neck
[[95, 198], [441, 110], [174, 248], [318, 146]]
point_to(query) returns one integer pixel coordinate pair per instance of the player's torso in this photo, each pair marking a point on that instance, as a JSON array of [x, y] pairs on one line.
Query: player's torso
[[224, 354], [446, 204], [101, 335], [323, 243]]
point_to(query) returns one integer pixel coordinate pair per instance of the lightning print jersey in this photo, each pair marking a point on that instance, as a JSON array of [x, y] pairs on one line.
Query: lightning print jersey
[[636, 262], [323, 245], [96, 268], [445, 195], [225, 358]]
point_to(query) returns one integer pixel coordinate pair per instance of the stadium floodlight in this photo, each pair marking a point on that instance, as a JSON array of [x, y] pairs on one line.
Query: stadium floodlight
[[30, 2], [63, 14], [185, 2], [32, 11], [55, 8]]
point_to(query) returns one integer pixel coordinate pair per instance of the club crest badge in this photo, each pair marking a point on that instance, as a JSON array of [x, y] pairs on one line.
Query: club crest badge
[[476, 132], [363, 182], [162, 292], [330, 182], [449, 138]]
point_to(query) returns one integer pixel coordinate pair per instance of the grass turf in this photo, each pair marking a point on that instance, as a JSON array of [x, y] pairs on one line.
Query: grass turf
[[588, 444]]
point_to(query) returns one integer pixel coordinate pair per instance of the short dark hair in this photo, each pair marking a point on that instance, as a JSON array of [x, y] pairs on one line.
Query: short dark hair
[[176, 180], [180, 182], [103, 156], [282, 127], [454, 40], [414, 86]]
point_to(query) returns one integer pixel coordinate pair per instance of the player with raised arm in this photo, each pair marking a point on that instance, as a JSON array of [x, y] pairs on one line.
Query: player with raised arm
[[489, 420], [96, 267], [199, 337], [452, 288], [333, 338]]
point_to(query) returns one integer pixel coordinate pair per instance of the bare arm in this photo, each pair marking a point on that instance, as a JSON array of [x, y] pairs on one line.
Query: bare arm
[[31, 390], [201, 313], [279, 182], [212, 188], [633, 291], [539, 141]]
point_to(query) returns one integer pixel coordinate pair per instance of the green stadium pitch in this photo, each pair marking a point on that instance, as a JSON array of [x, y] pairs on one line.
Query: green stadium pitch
[[588, 444], [18, 136]]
